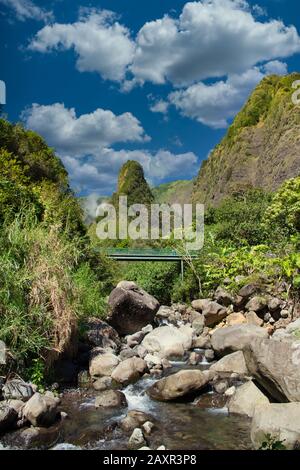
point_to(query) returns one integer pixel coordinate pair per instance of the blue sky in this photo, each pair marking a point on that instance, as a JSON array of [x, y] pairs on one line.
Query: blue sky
[[106, 81]]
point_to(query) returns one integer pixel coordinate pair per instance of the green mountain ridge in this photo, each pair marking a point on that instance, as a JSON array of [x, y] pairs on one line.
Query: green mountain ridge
[[261, 148]]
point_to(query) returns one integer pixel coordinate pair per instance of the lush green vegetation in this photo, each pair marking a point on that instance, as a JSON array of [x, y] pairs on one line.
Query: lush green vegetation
[[251, 236], [50, 278]]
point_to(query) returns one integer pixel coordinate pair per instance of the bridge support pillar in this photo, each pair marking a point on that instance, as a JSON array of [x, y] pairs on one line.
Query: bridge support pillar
[[182, 268]]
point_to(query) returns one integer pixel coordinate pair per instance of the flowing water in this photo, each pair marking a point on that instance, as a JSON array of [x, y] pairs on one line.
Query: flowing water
[[201, 424]]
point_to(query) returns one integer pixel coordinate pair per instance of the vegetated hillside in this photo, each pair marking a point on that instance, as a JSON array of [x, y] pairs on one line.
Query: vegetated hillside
[[50, 278], [261, 148], [132, 183], [179, 192]]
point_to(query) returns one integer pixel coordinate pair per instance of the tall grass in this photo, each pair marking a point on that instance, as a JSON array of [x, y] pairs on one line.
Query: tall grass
[[46, 287]]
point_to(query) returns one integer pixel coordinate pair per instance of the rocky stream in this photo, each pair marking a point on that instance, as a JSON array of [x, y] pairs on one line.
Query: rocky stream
[[222, 373]]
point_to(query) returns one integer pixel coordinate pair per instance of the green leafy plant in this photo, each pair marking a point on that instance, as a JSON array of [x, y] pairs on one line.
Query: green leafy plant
[[272, 443]]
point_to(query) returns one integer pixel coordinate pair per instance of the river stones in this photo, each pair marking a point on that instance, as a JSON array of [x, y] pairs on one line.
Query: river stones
[[183, 383], [169, 341], [233, 363], [235, 338], [245, 399], [41, 410], [129, 371], [131, 308], [102, 363], [280, 420], [98, 333], [111, 399], [137, 439], [8, 417], [134, 419], [275, 365], [17, 390]]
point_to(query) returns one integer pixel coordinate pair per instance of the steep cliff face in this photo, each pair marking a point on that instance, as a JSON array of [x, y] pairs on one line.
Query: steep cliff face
[[179, 192], [261, 148]]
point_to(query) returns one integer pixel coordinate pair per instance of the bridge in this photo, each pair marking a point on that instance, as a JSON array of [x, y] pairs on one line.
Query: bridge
[[148, 254]]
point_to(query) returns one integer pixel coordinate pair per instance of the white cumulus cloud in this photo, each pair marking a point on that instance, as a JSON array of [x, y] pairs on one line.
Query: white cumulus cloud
[[26, 9], [100, 42], [77, 135], [211, 38]]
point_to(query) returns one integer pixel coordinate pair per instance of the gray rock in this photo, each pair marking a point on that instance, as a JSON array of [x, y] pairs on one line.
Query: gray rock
[[137, 439], [234, 362], [284, 313], [168, 341], [41, 410], [17, 390], [213, 313], [280, 420], [253, 319], [141, 351], [230, 391], [200, 304], [245, 399], [104, 383], [102, 363], [274, 304], [248, 290], [127, 353], [257, 304], [223, 297], [221, 387], [135, 339], [198, 324], [178, 385], [37, 438], [111, 399], [209, 355], [131, 308], [147, 427], [8, 417], [129, 371], [98, 333], [235, 338], [202, 342], [275, 365], [134, 419]]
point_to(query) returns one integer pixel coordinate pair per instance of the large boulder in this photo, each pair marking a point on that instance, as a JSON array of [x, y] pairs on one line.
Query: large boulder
[[185, 382], [212, 312], [129, 371], [98, 333], [111, 399], [257, 304], [245, 399], [223, 297], [8, 417], [235, 338], [41, 410], [168, 341], [102, 363], [16, 389], [279, 420], [131, 308], [276, 366], [233, 363]]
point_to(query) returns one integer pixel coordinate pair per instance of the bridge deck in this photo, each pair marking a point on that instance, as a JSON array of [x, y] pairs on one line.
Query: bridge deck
[[147, 254]]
